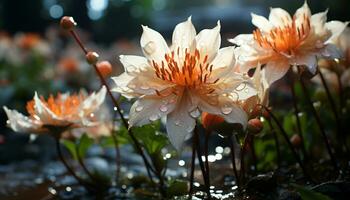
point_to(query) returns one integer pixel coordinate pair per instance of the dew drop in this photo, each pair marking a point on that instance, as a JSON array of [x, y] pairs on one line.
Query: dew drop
[[189, 129], [246, 90], [138, 108], [153, 117], [226, 110], [195, 113], [144, 87], [149, 48], [163, 108], [173, 100], [177, 123], [240, 87]]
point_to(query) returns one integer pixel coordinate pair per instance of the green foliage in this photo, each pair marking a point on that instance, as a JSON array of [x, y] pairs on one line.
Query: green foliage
[[79, 147], [177, 188]]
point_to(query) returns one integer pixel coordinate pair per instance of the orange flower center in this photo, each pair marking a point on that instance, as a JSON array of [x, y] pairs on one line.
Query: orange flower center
[[285, 39], [193, 71], [60, 106]]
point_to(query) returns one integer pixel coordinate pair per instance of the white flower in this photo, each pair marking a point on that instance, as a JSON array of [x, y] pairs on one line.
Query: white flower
[[180, 82], [282, 41], [60, 113]]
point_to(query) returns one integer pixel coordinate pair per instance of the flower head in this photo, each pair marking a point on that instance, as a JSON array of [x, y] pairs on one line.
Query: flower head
[[56, 113], [282, 41], [180, 82]]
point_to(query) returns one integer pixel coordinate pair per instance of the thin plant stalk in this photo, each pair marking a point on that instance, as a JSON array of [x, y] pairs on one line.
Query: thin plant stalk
[[320, 125], [233, 160], [242, 171], [206, 149], [69, 169], [82, 164], [194, 144], [116, 147], [252, 147], [296, 114], [334, 109], [277, 144], [286, 138], [201, 164], [116, 104]]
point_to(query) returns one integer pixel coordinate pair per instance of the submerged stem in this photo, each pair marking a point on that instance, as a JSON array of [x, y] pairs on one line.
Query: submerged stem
[[206, 149]]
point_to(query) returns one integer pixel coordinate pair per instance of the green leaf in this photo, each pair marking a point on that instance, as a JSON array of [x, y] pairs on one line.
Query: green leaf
[[307, 194], [151, 138], [84, 144], [177, 188], [71, 148]]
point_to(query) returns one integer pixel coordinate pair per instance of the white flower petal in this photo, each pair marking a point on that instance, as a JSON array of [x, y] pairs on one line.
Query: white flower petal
[[183, 36], [21, 123], [208, 42], [336, 28], [153, 44], [261, 22], [242, 39], [223, 62], [318, 21], [44, 113], [93, 102], [179, 123], [309, 60], [275, 70], [300, 13], [150, 108], [133, 64], [122, 81], [331, 51], [279, 17]]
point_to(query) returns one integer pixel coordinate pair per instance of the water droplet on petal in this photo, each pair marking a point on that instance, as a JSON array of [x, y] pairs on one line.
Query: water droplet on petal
[[226, 110], [149, 48], [195, 113], [246, 90], [163, 108], [189, 129], [138, 108], [177, 123], [173, 100], [153, 117], [131, 68], [144, 87], [240, 87]]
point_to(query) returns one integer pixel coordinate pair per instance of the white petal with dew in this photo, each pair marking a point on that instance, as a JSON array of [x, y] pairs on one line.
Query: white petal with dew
[[21, 123], [179, 122], [153, 44], [133, 64], [150, 108]]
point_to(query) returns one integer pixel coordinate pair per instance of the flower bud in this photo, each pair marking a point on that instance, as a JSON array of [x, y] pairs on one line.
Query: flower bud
[[92, 57], [104, 67], [295, 140], [255, 126], [265, 113], [209, 121], [67, 23]]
